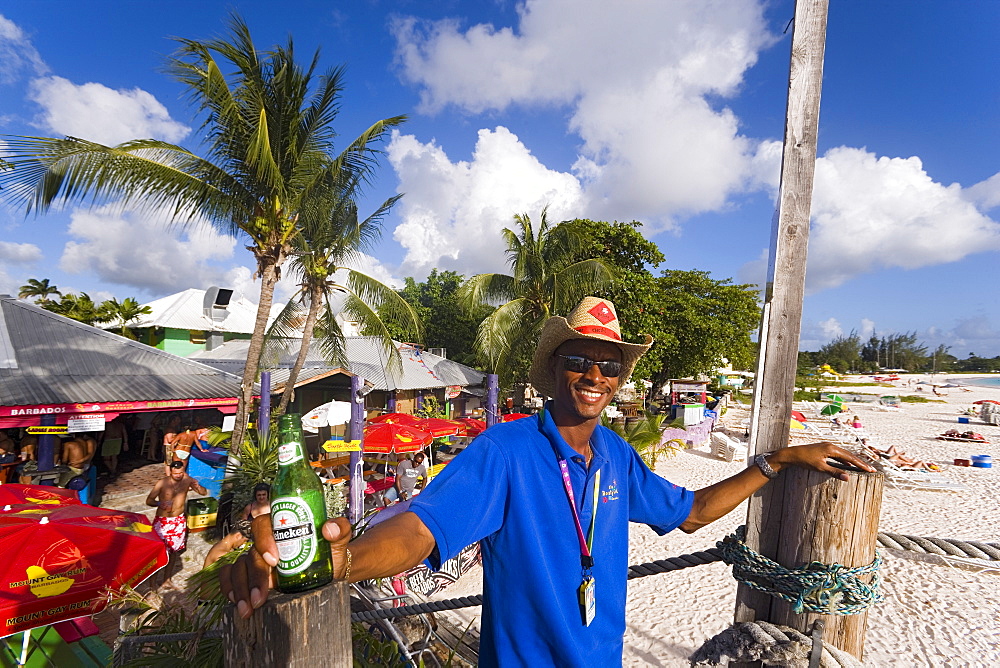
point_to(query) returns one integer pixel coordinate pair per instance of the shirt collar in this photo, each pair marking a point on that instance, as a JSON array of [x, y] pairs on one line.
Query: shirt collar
[[549, 429]]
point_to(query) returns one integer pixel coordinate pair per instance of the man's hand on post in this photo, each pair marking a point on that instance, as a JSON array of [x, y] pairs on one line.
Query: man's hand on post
[[814, 456]]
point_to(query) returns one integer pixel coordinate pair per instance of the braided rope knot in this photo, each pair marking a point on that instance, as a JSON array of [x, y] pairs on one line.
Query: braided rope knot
[[827, 589]]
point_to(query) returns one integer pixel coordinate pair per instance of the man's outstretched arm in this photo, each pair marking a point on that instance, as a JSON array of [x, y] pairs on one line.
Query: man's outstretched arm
[[715, 501]]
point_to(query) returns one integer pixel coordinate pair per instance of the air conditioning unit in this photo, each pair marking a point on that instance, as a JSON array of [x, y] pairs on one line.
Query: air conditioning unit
[[440, 352], [216, 303]]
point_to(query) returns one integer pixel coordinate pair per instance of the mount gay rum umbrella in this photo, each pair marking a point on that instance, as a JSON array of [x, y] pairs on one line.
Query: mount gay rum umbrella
[[65, 561]]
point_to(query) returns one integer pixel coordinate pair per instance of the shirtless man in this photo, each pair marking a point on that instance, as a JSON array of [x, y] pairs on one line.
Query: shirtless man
[[169, 496], [76, 456], [29, 453]]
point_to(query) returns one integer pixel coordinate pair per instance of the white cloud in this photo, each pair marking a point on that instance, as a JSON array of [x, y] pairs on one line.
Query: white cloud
[[875, 212], [642, 87], [139, 250], [871, 213], [8, 284], [985, 194], [16, 253], [453, 212], [831, 328], [970, 334], [867, 329], [17, 55], [97, 113]]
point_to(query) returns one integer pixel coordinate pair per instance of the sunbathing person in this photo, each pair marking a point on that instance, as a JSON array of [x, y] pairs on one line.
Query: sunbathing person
[[899, 458]]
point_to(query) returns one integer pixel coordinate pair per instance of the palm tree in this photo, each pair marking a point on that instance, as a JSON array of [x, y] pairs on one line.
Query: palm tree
[[41, 290], [79, 307], [268, 125], [124, 312], [330, 238], [545, 281]]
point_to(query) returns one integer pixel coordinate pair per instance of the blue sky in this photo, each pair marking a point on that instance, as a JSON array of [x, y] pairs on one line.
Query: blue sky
[[667, 112]]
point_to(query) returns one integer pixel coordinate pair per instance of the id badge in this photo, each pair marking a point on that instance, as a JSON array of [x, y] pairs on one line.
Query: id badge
[[588, 604]]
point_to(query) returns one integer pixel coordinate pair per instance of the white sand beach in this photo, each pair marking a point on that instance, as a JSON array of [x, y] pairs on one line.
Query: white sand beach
[[935, 614]]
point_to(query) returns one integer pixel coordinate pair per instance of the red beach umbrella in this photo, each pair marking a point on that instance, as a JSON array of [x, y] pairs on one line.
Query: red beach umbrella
[[386, 437], [472, 426], [396, 418], [986, 401], [439, 427], [37, 495], [510, 417], [61, 561]]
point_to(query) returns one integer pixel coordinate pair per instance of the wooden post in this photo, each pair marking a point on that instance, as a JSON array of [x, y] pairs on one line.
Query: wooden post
[[831, 522], [304, 630], [792, 520]]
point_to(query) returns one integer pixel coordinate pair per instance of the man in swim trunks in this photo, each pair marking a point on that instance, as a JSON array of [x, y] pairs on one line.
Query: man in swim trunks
[[169, 496], [115, 438]]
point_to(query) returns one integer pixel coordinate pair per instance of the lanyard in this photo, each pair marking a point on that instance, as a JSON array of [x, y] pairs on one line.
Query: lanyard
[[586, 544]]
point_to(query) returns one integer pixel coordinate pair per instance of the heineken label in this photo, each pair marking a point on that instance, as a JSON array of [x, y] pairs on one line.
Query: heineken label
[[289, 452], [294, 529]]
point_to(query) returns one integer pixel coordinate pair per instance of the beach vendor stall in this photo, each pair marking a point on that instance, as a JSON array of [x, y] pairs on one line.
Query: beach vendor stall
[[73, 378], [687, 400]]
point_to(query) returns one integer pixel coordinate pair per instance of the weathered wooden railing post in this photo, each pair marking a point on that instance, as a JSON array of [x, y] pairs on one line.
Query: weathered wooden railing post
[[800, 517], [306, 630]]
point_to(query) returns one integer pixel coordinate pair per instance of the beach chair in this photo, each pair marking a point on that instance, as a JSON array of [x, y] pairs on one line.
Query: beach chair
[[727, 448], [901, 478]]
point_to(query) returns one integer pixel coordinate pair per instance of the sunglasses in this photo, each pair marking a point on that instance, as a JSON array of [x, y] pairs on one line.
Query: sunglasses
[[580, 364], [177, 465]]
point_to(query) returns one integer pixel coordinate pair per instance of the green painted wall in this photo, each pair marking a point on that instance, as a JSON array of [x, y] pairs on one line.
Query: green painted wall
[[178, 342]]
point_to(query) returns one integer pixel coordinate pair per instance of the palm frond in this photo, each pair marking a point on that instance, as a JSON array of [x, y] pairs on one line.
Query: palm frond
[[486, 289], [331, 339], [280, 332], [572, 283]]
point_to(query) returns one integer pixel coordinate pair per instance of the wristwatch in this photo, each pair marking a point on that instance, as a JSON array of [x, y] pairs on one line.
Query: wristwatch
[[761, 462]]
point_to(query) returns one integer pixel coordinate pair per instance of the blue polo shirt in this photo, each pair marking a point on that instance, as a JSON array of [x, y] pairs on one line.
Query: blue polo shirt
[[506, 490]]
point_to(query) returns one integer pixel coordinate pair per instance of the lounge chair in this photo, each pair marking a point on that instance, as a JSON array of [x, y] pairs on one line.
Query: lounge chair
[[727, 448], [902, 478]]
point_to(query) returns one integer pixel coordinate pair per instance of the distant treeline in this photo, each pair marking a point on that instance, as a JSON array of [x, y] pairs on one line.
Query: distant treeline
[[850, 354]]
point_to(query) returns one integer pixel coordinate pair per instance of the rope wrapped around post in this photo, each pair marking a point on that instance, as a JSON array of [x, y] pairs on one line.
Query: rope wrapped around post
[[771, 644], [827, 589]]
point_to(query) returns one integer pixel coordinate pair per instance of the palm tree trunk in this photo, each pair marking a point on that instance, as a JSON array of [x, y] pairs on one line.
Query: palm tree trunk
[[268, 279], [315, 302]]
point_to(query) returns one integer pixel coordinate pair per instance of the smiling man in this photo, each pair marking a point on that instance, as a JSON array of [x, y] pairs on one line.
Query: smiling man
[[550, 498]]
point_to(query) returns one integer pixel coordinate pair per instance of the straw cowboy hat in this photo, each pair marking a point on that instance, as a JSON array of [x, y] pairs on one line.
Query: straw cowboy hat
[[594, 319]]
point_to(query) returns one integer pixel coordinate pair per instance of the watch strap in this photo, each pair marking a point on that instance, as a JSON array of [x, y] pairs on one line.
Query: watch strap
[[761, 462]]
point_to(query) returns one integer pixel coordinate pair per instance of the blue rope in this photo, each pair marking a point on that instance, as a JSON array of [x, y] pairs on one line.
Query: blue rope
[[827, 589]]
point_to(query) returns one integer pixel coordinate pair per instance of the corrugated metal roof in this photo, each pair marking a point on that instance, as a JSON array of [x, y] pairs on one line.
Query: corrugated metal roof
[[60, 361], [185, 310], [421, 370]]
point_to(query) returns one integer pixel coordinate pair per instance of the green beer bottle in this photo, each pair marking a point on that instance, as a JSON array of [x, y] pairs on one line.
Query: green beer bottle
[[298, 511]]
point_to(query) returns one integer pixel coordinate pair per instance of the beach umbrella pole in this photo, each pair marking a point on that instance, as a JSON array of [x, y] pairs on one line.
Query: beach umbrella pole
[[356, 432], [264, 410], [47, 445], [492, 399], [822, 509]]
